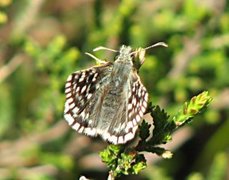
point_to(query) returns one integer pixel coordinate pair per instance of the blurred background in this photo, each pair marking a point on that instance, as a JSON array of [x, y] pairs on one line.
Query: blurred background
[[42, 42]]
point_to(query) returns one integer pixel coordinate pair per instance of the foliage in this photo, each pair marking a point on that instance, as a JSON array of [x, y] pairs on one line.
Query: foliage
[[42, 42]]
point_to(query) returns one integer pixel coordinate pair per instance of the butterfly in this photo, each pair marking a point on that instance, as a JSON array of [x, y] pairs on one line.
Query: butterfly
[[108, 99]]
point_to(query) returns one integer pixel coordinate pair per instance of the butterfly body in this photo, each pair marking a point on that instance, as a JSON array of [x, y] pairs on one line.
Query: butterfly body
[[107, 100]]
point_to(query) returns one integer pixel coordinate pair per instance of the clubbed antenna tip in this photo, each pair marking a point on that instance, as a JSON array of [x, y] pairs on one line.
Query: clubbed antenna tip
[[157, 44]]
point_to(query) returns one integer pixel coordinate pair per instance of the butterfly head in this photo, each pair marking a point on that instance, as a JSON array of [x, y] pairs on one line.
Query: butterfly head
[[134, 57], [125, 54]]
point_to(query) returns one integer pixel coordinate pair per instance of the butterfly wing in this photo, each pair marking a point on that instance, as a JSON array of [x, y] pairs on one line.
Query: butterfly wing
[[80, 91], [131, 111]]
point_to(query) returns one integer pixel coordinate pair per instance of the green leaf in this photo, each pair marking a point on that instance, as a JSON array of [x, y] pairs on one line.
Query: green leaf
[[144, 130], [109, 155], [195, 106], [139, 165], [163, 127]]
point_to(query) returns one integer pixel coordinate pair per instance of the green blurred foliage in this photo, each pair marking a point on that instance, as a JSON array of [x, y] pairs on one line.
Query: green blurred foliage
[[42, 42]]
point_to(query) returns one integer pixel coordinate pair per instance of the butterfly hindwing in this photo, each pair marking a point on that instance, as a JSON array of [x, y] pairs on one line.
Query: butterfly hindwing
[[126, 121], [137, 101]]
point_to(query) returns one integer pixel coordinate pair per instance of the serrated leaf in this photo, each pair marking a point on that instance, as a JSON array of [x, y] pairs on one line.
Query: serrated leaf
[[163, 127], [144, 130]]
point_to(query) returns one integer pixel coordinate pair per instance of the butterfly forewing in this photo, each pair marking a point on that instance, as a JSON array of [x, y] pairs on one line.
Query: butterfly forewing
[[80, 89]]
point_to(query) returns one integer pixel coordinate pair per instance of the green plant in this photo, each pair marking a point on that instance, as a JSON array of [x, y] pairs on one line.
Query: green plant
[[125, 160]]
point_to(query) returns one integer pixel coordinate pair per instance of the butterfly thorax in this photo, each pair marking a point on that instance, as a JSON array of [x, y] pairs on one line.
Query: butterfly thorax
[[122, 66]]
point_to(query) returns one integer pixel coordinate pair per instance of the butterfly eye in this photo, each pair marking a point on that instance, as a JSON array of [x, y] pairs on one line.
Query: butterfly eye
[[141, 55], [115, 58], [133, 55], [138, 57]]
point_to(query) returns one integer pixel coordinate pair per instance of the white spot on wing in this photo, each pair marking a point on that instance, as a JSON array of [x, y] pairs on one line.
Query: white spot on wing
[[134, 122], [128, 137], [70, 100], [72, 106], [130, 114], [89, 96], [123, 125], [94, 78], [90, 131], [134, 101], [139, 93], [83, 89], [69, 78], [75, 110], [130, 94], [83, 115], [82, 77], [69, 118], [133, 90], [138, 118], [141, 113], [77, 89], [76, 126], [88, 87], [67, 90], [68, 95], [120, 140], [129, 125], [145, 104], [129, 106], [66, 108], [105, 135], [81, 129], [113, 139], [87, 115], [68, 84]]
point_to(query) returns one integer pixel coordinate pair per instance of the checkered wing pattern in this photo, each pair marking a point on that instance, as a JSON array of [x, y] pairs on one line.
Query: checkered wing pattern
[[80, 91], [125, 123], [84, 102], [107, 100]]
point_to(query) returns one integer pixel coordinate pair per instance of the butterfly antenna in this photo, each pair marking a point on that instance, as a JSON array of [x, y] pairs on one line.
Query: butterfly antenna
[[99, 61], [157, 44], [104, 48]]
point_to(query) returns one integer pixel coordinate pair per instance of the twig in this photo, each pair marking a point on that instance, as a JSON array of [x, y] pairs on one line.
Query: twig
[[181, 61], [111, 176], [8, 69], [222, 100], [24, 20]]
